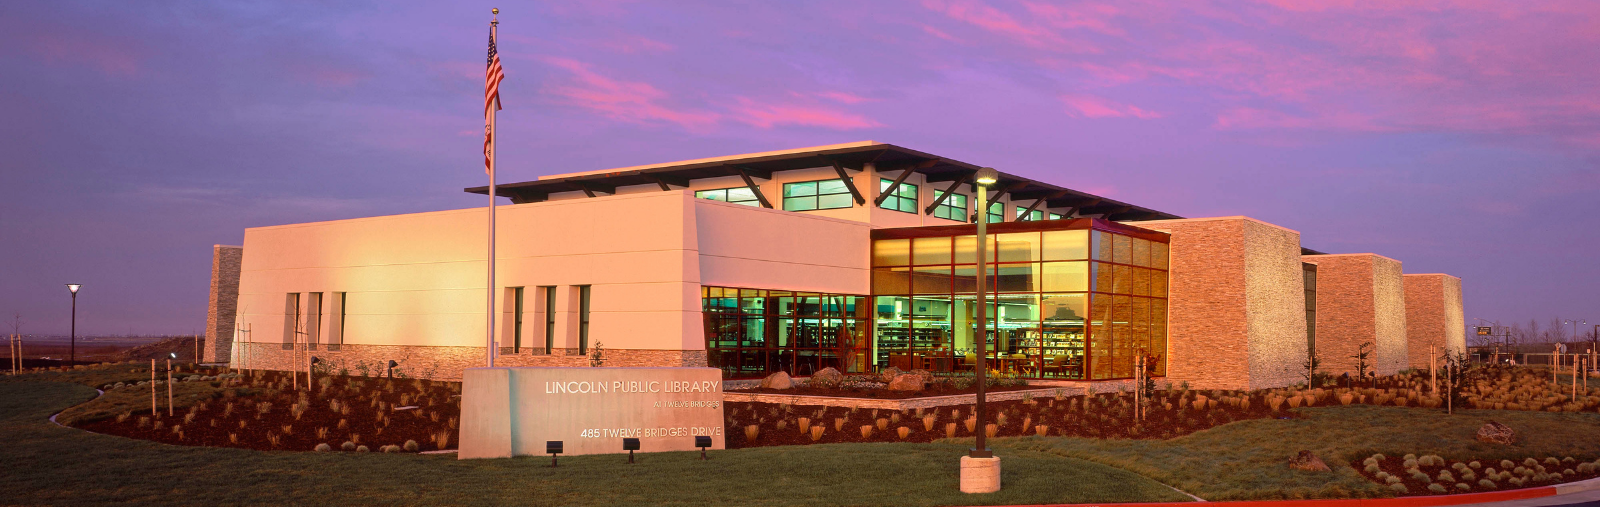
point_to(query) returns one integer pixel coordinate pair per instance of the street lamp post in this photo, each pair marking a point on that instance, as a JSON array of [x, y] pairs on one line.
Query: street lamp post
[[72, 354], [980, 469]]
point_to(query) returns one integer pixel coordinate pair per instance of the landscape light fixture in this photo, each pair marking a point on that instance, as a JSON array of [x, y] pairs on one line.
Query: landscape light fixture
[[552, 447], [392, 364], [702, 442], [72, 355], [630, 445]]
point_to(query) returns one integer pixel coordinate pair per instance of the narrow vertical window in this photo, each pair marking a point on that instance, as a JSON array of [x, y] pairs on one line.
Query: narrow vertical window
[[583, 319], [335, 321], [516, 323], [549, 318], [313, 320], [291, 320]]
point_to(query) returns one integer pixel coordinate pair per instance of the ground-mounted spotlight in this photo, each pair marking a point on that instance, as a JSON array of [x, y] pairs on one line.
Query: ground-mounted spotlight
[[392, 364], [702, 442], [552, 447], [630, 445]]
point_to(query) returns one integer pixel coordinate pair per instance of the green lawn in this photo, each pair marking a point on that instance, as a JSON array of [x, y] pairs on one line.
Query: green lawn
[[1247, 459], [47, 464]]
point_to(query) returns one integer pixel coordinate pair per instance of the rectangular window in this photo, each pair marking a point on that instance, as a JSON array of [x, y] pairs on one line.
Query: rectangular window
[[313, 319], [336, 321], [997, 212], [1023, 215], [516, 320], [904, 197], [815, 195], [549, 318], [583, 319], [1056, 216], [954, 207], [736, 195], [291, 320]]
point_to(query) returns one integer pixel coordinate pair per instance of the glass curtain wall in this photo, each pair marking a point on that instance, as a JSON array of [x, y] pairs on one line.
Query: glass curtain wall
[[1065, 304], [754, 332]]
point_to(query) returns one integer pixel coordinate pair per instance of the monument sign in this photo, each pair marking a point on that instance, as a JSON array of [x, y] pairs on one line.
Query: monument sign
[[514, 411]]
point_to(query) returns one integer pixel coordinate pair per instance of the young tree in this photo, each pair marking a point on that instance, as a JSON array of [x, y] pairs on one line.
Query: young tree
[[1361, 355]]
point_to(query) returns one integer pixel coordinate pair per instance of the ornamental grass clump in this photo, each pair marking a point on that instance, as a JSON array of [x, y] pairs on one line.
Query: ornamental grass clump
[[950, 430], [816, 433], [751, 432], [866, 431]]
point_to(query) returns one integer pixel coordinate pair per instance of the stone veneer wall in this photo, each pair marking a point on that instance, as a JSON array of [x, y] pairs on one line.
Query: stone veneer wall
[[445, 363], [1360, 299], [1433, 316], [223, 307], [1236, 317], [1275, 303]]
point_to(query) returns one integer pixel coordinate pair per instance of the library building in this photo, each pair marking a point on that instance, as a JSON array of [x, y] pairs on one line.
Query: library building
[[857, 256]]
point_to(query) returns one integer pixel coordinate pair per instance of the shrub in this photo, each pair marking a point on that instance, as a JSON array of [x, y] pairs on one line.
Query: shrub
[[348, 446], [1398, 488], [411, 446], [322, 448], [1437, 488], [362, 448]]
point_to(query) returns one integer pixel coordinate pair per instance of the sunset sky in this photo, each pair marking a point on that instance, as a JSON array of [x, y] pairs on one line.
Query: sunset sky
[[1458, 137]]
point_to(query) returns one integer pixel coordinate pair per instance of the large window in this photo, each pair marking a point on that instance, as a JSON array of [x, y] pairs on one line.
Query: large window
[[516, 321], [736, 195], [753, 332], [815, 195], [1023, 215], [1059, 306], [954, 207], [904, 197], [996, 213]]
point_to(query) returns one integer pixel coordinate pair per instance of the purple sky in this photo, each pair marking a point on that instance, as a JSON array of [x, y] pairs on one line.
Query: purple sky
[[1458, 137]]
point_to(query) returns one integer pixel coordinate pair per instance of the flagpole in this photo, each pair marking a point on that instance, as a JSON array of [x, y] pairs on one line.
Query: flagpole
[[494, 153]]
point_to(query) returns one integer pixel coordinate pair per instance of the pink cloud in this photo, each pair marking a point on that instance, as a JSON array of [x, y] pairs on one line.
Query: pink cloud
[[772, 115], [1089, 106], [1094, 17], [847, 98], [630, 101], [1245, 118], [108, 57], [1000, 22], [635, 44]]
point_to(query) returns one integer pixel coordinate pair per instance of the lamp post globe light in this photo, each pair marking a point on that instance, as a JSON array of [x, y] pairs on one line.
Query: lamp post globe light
[[980, 469], [72, 354]]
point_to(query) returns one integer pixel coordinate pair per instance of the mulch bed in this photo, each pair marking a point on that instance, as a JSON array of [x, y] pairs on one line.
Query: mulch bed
[[936, 389], [1540, 473], [1098, 416], [339, 409]]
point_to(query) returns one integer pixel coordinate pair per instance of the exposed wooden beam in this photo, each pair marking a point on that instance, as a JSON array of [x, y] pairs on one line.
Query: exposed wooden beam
[[526, 197], [1069, 212], [589, 188], [751, 171], [946, 193], [849, 183], [893, 186], [665, 180], [745, 174], [1030, 209]]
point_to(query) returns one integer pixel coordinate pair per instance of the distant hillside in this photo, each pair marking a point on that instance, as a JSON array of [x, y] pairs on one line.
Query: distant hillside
[[184, 346]]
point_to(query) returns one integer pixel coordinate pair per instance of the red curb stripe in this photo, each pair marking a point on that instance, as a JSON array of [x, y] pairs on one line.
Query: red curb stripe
[[1412, 501]]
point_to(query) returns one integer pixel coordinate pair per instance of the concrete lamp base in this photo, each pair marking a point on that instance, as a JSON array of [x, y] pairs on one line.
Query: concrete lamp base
[[980, 475]]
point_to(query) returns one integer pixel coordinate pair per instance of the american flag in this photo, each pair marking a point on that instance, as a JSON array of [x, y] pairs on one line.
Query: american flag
[[491, 100]]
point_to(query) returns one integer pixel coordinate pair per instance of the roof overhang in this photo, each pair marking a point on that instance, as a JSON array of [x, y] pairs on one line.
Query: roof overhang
[[886, 158]]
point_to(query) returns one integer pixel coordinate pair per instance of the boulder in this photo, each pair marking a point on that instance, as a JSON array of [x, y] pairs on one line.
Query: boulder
[[1308, 462], [827, 377], [779, 380], [908, 382], [1496, 433], [888, 374]]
